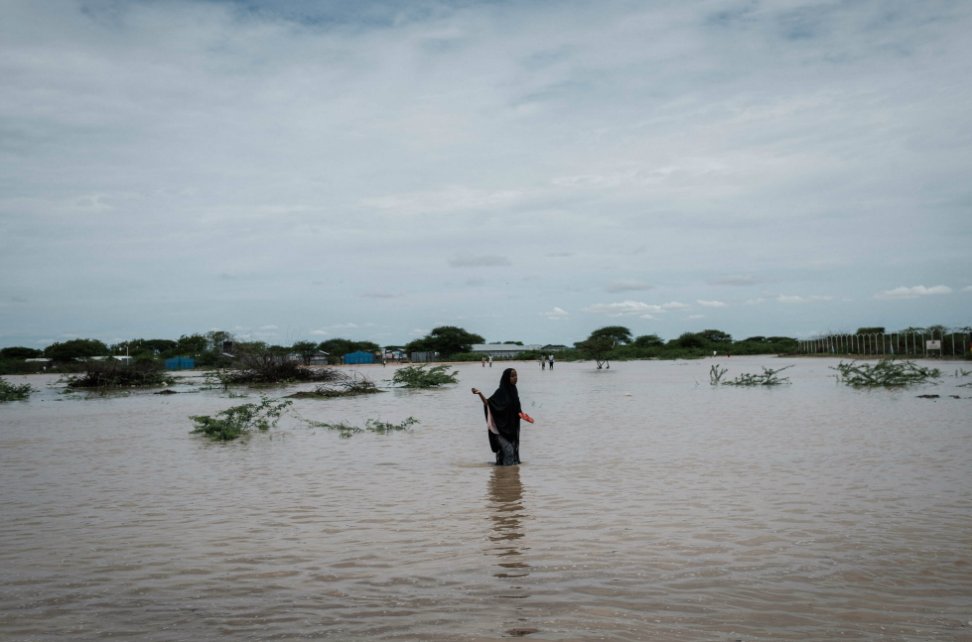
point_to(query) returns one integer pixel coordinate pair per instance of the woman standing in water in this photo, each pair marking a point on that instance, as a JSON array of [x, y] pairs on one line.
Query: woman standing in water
[[503, 419]]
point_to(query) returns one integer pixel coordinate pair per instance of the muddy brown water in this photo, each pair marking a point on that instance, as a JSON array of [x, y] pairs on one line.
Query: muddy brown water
[[650, 506]]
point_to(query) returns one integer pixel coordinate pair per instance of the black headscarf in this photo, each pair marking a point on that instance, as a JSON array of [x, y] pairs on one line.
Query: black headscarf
[[505, 406]]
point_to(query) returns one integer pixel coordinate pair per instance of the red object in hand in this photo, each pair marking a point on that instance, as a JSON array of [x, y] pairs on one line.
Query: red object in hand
[[526, 417]]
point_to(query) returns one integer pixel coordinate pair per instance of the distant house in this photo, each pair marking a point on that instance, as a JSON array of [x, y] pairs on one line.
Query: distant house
[[501, 350], [359, 357], [124, 358]]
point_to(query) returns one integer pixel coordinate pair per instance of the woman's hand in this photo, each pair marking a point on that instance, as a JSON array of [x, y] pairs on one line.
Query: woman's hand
[[475, 391]]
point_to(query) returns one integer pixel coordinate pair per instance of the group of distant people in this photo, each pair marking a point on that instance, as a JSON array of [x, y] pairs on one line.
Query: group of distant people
[[545, 361]]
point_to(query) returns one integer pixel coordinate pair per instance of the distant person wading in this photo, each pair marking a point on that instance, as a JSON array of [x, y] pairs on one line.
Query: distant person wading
[[503, 419]]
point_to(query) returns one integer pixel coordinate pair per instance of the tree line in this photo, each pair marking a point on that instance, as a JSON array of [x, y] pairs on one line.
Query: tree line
[[219, 348]]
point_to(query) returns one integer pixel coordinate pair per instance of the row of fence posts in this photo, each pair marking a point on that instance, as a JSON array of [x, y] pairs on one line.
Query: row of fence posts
[[903, 344]]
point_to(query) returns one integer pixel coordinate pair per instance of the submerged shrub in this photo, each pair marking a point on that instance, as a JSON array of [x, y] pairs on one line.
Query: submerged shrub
[[345, 386], [117, 374], [769, 377], [371, 425], [424, 377], [267, 367], [886, 373], [13, 392], [234, 422]]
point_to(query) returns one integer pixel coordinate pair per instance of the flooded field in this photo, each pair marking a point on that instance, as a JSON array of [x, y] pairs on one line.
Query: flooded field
[[650, 506]]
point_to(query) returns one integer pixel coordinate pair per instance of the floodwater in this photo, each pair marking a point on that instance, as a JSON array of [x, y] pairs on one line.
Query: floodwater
[[650, 506]]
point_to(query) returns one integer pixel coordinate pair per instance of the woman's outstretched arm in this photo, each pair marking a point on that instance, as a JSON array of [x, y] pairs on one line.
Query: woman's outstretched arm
[[477, 391]]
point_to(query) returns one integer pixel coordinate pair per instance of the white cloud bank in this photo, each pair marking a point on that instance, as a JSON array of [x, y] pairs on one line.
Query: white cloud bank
[[322, 155], [913, 292]]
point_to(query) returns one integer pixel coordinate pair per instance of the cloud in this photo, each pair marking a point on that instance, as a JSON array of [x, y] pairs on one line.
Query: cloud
[[479, 261], [623, 308], [453, 199], [674, 305], [711, 304], [556, 313], [627, 286], [288, 162], [913, 292], [337, 327], [785, 298], [734, 280]]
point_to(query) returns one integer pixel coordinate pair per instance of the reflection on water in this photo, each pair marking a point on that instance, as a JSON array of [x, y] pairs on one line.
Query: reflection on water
[[506, 506], [650, 506]]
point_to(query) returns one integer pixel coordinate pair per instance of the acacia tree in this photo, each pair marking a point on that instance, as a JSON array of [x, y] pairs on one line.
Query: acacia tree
[[649, 341], [19, 352], [618, 335], [191, 345], [306, 350], [75, 349], [599, 345], [337, 348], [447, 340]]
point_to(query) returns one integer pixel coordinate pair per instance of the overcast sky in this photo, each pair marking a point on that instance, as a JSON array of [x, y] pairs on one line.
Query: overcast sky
[[529, 170]]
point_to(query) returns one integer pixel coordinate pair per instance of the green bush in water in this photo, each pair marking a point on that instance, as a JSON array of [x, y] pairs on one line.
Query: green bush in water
[[371, 425], [424, 377], [767, 378], [116, 374], [13, 392], [237, 421], [886, 373]]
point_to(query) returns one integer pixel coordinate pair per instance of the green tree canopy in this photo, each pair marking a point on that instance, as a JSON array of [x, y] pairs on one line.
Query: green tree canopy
[[447, 340], [76, 349], [306, 350], [689, 340], [649, 341], [191, 345], [337, 348], [145, 347], [872, 330], [619, 335], [599, 345], [18, 352], [716, 336]]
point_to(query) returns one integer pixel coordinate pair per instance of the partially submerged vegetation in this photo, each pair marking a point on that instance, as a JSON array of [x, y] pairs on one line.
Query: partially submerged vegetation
[[13, 392], [769, 377], [266, 367], [371, 425], [344, 385], [886, 373], [424, 377], [117, 374], [237, 421]]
